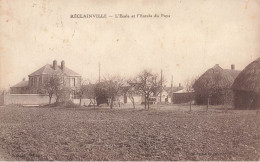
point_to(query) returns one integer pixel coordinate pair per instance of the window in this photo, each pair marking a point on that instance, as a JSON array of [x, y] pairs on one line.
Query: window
[[72, 82], [35, 81], [32, 81], [40, 81]]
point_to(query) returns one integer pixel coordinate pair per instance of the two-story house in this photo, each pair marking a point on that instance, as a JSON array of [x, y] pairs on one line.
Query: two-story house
[[38, 78]]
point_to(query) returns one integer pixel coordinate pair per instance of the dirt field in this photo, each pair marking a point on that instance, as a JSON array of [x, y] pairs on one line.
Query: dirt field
[[162, 133]]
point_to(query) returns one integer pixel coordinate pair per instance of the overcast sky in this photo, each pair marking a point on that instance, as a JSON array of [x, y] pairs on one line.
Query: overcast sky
[[198, 35]]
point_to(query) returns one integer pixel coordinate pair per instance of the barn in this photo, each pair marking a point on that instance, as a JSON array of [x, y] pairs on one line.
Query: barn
[[246, 87], [214, 86]]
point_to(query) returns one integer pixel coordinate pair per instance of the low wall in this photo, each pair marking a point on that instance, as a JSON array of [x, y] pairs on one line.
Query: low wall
[[24, 99], [137, 99], [83, 101], [1, 99]]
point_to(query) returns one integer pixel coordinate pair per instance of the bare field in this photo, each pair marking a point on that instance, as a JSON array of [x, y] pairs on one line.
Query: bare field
[[162, 133]]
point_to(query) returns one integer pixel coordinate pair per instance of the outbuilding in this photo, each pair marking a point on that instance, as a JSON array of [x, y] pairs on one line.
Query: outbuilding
[[246, 87], [214, 86]]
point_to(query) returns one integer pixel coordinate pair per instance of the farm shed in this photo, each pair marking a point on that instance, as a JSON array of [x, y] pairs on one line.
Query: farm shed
[[182, 96], [215, 84], [246, 87]]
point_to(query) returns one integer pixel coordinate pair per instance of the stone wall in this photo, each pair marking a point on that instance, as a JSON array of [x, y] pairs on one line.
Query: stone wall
[[24, 99]]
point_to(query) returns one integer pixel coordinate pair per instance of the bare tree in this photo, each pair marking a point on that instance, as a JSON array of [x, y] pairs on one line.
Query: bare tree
[[113, 87], [51, 86], [189, 88], [90, 93], [81, 90], [130, 91], [63, 94], [56, 87], [148, 83], [213, 88]]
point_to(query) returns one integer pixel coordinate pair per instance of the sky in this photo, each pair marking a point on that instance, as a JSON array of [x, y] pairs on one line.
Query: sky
[[197, 35]]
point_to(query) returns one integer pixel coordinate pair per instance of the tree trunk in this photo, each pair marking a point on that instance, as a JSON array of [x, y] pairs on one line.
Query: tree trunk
[[94, 103], [133, 102], [50, 100], [145, 102], [111, 103], [79, 101], [148, 103], [208, 104], [190, 105], [57, 98]]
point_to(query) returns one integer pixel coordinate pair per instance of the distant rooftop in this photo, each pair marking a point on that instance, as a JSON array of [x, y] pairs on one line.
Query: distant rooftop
[[21, 84], [52, 70], [233, 73]]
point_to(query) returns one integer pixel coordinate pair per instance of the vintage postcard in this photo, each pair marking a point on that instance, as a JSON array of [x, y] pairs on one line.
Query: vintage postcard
[[130, 80]]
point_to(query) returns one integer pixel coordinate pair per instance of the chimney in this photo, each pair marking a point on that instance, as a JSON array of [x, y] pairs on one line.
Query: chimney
[[179, 84], [54, 64], [62, 65], [232, 67]]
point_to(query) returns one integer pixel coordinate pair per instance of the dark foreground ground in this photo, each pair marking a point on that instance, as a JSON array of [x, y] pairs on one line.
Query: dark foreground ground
[[164, 133]]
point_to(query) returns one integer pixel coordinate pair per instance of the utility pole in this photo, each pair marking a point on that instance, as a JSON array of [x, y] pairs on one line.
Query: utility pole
[[171, 88], [161, 88], [98, 72], [171, 83]]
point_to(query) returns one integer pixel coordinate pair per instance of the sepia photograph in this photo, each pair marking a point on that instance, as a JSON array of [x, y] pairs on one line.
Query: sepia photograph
[[129, 80]]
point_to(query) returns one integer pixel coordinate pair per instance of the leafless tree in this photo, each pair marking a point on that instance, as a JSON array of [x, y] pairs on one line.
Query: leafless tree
[[63, 94], [90, 93], [113, 86], [215, 87], [188, 86], [148, 83], [52, 86], [55, 87], [130, 91], [81, 90]]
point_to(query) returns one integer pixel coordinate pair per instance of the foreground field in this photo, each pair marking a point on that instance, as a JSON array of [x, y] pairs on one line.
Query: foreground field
[[164, 133]]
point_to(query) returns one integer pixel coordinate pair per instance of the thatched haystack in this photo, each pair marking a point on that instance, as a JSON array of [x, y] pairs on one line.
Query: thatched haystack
[[214, 84], [246, 87]]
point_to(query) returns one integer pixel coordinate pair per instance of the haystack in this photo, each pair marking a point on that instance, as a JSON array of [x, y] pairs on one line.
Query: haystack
[[214, 84], [246, 87]]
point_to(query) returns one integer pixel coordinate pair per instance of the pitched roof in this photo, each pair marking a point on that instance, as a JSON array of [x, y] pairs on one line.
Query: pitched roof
[[21, 84], [214, 78], [233, 73], [49, 70], [174, 89], [184, 91], [249, 79]]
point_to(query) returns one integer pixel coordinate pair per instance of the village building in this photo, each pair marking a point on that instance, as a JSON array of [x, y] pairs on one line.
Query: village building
[[167, 93], [246, 87], [182, 96], [38, 78], [165, 96], [20, 88], [214, 86]]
